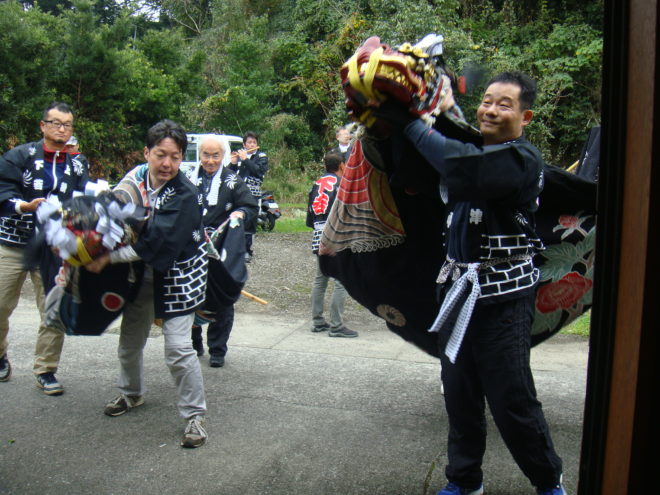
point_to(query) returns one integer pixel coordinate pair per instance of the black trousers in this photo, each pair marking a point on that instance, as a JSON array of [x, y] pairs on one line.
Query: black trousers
[[217, 333], [493, 365], [249, 237]]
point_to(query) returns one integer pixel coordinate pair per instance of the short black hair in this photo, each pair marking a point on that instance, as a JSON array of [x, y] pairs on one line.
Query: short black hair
[[60, 106], [250, 134], [167, 129], [332, 161], [526, 84]]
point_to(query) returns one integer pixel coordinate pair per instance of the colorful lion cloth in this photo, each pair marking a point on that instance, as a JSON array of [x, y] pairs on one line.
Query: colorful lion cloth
[[383, 239], [80, 230]]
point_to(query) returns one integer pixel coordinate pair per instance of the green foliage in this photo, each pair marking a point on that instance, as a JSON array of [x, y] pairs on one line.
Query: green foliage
[[240, 76], [118, 84], [291, 148], [28, 44], [273, 67]]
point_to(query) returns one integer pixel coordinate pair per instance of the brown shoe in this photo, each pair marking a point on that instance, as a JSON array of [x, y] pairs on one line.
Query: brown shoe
[[121, 404], [195, 435]]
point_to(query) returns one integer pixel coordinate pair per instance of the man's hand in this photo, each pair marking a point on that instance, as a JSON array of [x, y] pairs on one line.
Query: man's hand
[[98, 264], [237, 214], [448, 100], [393, 113], [32, 206]]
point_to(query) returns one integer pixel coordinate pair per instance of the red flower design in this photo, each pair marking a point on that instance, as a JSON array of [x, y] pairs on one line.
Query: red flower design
[[563, 293], [568, 221]]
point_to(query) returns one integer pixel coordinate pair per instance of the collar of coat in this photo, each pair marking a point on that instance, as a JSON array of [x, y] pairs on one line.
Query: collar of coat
[[212, 196]]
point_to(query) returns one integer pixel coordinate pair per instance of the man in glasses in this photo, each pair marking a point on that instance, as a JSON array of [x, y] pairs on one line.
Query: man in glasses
[[29, 174]]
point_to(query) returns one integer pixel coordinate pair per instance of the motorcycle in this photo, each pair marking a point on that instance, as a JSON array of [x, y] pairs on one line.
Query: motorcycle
[[269, 211]]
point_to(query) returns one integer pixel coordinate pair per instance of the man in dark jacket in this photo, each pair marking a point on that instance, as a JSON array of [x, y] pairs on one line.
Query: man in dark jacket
[[224, 196], [321, 198], [488, 284], [170, 258], [251, 165], [29, 174]]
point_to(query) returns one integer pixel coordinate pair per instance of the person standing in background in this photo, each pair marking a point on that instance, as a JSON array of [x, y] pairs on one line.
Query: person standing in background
[[343, 147], [251, 164], [321, 198]]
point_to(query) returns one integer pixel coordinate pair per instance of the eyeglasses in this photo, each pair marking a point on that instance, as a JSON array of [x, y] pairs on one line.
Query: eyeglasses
[[57, 124], [214, 156]]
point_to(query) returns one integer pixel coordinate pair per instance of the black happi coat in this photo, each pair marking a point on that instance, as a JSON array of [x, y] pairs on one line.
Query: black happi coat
[[319, 204], [220, 195], [252, 171], [172, 244], [225, 192], [26, 173], [492, 193]]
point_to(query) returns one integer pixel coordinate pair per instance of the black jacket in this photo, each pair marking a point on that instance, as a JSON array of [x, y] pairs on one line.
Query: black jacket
[[226, 193], [28, 172], [321, 198], [491, 193], [172, 243]]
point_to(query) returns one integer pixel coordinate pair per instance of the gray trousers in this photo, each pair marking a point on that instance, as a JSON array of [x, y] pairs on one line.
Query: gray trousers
[[180, 357], [336, 301]]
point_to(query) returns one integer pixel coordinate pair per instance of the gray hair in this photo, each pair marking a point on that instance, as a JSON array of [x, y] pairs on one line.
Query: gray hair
[[212, 137], [222, 141]]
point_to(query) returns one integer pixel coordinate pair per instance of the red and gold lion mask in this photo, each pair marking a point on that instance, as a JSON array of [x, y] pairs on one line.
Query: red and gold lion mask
[[413, 75]]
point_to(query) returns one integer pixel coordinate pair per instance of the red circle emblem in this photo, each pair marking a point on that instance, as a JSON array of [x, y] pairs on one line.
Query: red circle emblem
[[112, 301]]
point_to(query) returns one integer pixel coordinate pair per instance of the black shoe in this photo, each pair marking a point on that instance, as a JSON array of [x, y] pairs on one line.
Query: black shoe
[[198, 345], [216, 361], [5, 369], [321, 328], [343, 332]]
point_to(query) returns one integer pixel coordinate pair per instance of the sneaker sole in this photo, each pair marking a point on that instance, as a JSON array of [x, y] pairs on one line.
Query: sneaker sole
[[341, 335], [190, 446], [318, 330], [114, 414], [59, 391]]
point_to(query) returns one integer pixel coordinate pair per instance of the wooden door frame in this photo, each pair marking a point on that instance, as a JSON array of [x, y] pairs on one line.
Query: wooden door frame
[[621, 372]]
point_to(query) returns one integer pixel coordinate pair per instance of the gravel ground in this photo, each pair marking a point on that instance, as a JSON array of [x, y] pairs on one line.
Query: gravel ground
[[282, 272]]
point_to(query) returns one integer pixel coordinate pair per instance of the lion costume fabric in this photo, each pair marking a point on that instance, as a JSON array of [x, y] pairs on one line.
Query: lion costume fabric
[[383, 239], [80, 302]]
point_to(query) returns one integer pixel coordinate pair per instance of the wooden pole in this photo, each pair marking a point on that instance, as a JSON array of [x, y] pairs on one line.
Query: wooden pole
[[253, 297]]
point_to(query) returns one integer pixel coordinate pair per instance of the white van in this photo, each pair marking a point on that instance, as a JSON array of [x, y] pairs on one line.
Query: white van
[[232, 143]]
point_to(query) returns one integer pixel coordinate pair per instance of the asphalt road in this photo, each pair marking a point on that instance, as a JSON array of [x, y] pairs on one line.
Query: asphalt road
[[291, 413]]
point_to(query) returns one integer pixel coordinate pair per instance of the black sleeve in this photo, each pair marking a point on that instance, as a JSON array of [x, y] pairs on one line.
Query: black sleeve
[[509, 172], [243, 200], [11, 175], [257, 165]]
